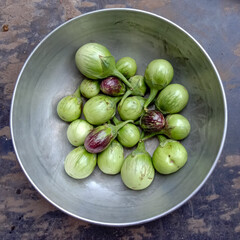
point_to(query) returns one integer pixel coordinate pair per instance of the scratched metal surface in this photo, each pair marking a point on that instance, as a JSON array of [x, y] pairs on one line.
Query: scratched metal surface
[[213, 213]]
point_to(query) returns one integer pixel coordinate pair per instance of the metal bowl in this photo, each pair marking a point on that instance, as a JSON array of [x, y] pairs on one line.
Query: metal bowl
[[39, 136]]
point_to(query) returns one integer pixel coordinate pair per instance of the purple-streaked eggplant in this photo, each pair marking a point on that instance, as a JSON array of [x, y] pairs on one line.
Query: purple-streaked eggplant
[[177, 127], [102, 136], [112, 86], [152, 121]]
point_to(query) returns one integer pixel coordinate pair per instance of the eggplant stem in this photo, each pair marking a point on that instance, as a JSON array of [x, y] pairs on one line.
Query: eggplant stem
[[137, 122], [116, 99], [127, 93], [142, 136], [150, 136], [141, 146], [152, 95], [161, 138], [116, 73], [116, 121], [120, 125], [77, 93]]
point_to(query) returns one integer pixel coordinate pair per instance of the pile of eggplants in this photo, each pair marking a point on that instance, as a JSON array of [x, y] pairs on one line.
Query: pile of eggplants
[[109, 112]]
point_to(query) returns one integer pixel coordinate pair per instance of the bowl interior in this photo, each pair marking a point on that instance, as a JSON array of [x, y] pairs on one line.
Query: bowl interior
[[50, 74]]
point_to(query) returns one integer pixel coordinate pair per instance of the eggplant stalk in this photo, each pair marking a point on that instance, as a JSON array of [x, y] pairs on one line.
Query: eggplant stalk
[[152, 95], [161, 138], [109, 63], [77, 93]]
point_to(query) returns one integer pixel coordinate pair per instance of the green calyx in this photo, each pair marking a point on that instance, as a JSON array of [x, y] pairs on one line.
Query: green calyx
[[119, 126], [161, 138]]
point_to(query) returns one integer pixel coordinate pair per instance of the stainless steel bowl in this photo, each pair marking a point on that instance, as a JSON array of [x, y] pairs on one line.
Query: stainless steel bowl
[[39, 136]]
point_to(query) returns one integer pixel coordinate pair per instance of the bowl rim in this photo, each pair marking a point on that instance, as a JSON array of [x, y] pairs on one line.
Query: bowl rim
[[121, 224]]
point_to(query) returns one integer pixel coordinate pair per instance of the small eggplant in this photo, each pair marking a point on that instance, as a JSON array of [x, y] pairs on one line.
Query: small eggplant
[[102, 136], [158, 74], [169, 156], [137, 171], [112, 86], [132, 108], [111, 159], [69, 108], [127, 66], [152, 121], [79, 163], [77, 131], [177, 127], [100, 109], [89, 88], [129, 135], [139, 88], [172, 99]]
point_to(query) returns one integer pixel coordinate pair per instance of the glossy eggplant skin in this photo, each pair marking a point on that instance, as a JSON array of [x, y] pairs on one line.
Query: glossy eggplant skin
[[152, 121], [112, 86], [99, 139]]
